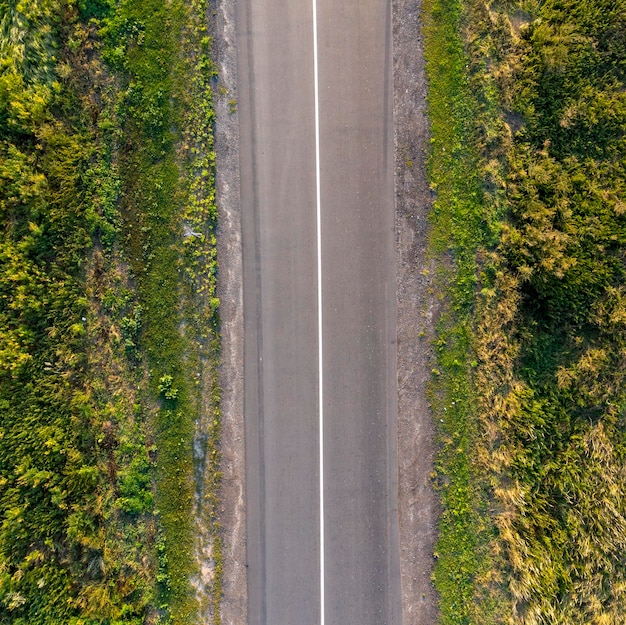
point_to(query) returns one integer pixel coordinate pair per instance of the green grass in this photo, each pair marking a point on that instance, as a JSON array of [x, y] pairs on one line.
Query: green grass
[[460, 226], [110, 328], [200, 301], [175, 276], [75, 483], [528, 389], [150, 203]]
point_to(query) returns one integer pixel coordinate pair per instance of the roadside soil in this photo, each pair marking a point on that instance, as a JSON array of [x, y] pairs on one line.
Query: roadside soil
[[416, 304], [418, 309], [229, 289]]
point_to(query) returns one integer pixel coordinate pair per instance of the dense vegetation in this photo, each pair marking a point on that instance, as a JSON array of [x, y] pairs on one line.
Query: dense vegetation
[[107, 310], [533, 455]]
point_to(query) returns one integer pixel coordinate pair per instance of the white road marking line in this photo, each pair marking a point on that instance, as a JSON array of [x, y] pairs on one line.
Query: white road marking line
[[319, 309]]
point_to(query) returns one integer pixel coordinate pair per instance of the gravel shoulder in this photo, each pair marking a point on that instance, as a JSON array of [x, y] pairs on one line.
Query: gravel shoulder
[[229, 288], [417, 313]]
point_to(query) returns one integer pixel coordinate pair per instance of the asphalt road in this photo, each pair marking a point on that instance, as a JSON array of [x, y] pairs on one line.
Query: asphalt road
[[361, 580]]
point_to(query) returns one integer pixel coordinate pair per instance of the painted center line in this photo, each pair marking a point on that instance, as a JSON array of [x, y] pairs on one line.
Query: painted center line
[[319, 308]]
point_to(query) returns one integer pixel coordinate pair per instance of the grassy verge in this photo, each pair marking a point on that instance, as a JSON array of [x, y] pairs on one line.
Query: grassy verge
[[464, 226], [200, 302], [109, 321], [142, 45], [166, 166], [457, 233], [528, 388]]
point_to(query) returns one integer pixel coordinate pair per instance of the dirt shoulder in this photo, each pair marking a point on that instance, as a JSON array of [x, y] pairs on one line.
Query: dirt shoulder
[[229, 288], [417, 313]]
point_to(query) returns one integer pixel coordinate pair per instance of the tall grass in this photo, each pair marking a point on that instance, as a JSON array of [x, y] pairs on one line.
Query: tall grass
[[535, 308]]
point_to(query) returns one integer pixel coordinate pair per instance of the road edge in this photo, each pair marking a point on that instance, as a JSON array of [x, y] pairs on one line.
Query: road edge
[[417, 313], [232, 514]]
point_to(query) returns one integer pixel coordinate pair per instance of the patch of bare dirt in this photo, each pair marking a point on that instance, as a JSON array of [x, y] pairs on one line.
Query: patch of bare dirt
[[417, 313], [229, 289]]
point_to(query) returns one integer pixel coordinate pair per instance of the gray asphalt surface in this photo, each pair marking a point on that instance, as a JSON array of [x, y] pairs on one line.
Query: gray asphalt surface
[[276, 107]]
